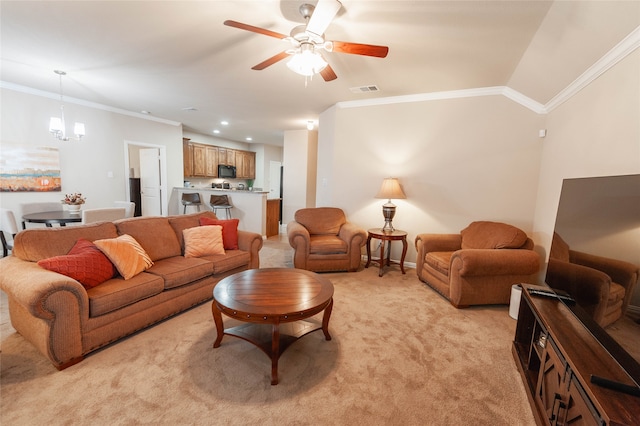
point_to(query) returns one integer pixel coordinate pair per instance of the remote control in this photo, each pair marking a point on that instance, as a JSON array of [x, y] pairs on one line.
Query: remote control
[[620, 387], [551, 294]]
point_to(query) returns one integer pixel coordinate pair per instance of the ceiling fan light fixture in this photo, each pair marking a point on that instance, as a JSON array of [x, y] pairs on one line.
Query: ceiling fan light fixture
[[307, 61]]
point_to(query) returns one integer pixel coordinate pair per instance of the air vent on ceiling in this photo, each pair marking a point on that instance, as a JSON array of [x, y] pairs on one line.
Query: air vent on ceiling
[[363, 89]]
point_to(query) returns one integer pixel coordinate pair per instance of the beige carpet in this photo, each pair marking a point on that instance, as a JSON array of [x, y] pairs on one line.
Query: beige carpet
[[400, 354]]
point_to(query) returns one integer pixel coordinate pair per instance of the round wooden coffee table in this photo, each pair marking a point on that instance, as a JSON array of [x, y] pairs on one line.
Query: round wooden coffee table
[[266, 299]]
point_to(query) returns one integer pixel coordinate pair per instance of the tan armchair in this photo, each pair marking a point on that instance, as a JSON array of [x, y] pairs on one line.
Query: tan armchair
[[477, 266], [324, 241], [600, 285]]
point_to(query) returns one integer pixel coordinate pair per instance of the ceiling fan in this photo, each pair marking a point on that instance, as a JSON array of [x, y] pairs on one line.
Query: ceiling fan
[[308, 40]]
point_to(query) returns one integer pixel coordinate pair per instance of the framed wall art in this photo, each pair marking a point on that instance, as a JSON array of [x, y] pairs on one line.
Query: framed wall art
[[26, 168]]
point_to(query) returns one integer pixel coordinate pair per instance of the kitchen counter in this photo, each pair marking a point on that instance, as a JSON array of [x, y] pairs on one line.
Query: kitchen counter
[[248, 206]]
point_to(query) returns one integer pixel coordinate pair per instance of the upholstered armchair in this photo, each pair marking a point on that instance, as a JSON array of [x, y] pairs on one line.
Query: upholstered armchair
[[600, 285], [324, 241], [479, 265]]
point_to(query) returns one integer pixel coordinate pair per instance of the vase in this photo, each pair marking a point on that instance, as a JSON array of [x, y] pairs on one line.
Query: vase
[[74, 208]]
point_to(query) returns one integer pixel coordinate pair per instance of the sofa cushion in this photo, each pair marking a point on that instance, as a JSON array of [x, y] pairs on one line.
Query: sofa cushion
[[84, 263], [492, 235], [232, 259], [203, 241], [118, 293], [326, 244], [154, 234], [181, 222], [179, 270], [321, 220], [41, 243], [229, 231], [126, 254], [439, 260]]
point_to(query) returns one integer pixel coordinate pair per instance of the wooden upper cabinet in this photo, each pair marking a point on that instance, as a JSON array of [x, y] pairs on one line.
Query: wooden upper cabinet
[[245, 165], [199, 160], [226, 156], [202, 160], [211, 161]]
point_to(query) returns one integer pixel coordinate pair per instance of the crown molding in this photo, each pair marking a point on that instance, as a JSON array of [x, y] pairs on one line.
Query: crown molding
[[615, 55], [76, 101]]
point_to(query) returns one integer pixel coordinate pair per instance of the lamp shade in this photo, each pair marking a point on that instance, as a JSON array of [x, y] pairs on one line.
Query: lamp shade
[[391, 189]]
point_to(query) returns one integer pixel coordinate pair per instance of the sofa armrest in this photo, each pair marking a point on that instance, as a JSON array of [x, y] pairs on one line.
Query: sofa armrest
[[299, 239], [482, 262], [51, 309], [589, 287], [353, 235], [426, 243], [251, 242]]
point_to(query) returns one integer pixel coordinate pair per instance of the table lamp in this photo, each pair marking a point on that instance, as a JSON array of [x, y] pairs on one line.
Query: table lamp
[[390, 189]]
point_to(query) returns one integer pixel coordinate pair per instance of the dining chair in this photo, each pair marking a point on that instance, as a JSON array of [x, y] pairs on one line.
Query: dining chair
[[129, 206], [221, 202], [28, 208], [108, 214], [191, 199], [8, 228]]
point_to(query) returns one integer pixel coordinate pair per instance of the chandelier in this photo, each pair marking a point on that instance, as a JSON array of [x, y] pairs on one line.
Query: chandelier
[[56, 124]]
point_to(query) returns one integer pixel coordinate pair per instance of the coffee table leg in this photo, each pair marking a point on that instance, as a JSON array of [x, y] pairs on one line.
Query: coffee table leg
[[275, 353], [217, 318], [325, 320]]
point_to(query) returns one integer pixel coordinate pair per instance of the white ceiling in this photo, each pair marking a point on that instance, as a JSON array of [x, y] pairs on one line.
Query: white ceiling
[[163, 56]]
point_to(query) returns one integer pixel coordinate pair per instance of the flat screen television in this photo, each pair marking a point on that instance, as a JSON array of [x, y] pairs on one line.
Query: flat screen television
[[601, 215]]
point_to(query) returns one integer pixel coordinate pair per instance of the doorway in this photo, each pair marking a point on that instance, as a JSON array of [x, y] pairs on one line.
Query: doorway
[[154, 158]]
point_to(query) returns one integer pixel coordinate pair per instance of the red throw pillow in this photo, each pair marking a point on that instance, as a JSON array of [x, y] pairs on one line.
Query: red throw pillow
[[84, 263], [229, 231]]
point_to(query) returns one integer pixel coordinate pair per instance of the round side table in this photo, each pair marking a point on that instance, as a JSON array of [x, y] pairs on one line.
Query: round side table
[[388, 236]]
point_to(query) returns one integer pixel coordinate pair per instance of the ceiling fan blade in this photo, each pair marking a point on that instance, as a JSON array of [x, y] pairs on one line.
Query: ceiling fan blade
[[322, 16], [272, 60], [360, 49], [328, 74], [251, 28]]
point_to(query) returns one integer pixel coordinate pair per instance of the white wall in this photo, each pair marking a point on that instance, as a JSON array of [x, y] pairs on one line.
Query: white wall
[[84, 165], [299, 171], [458, 160]]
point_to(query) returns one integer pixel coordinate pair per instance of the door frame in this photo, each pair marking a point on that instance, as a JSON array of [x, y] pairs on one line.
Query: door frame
[[164, 191]]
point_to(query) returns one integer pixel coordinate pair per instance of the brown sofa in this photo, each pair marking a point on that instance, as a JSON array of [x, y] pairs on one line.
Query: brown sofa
[[477, 266], [323, 240], [600, 285], [66, 321]]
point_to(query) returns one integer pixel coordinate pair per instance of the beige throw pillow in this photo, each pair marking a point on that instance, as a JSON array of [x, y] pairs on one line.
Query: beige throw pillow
[[126, 254], [203, 241]]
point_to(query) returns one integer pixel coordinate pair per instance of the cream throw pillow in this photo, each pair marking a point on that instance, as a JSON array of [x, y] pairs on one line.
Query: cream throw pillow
[[203, 241], [126, 254]]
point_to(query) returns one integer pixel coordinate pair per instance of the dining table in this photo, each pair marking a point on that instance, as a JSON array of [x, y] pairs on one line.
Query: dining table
[[61, 217]]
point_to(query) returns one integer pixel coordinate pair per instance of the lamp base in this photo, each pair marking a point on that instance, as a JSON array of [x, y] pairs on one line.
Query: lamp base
[[388, 211]]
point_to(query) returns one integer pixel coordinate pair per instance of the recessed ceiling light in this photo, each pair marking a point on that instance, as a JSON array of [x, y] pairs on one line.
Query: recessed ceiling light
[[224, 122], [249, 138], [189, 109], [144, 111], [216, 131]]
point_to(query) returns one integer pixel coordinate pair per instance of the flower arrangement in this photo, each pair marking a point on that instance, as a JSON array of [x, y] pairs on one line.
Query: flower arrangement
[[73, 199]]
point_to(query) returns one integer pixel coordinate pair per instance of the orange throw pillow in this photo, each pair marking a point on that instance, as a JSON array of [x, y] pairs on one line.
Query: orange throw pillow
[[203, 241], [127, 254], [84, 263], [229, 231]]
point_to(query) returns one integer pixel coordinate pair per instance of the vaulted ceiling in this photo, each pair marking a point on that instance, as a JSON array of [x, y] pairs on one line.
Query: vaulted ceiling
[[177, 61]]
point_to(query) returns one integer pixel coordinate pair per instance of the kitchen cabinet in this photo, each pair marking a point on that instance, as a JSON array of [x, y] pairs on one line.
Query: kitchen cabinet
[[226, 156], [273, 217], [201, 160], [245, 165]]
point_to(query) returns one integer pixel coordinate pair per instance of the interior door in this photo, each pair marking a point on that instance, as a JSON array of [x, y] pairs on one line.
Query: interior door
[[150, 182], [274, 179]]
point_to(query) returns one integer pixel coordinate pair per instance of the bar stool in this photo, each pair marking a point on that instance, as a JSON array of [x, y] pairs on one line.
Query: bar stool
[[191, 199], [221, 202]]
